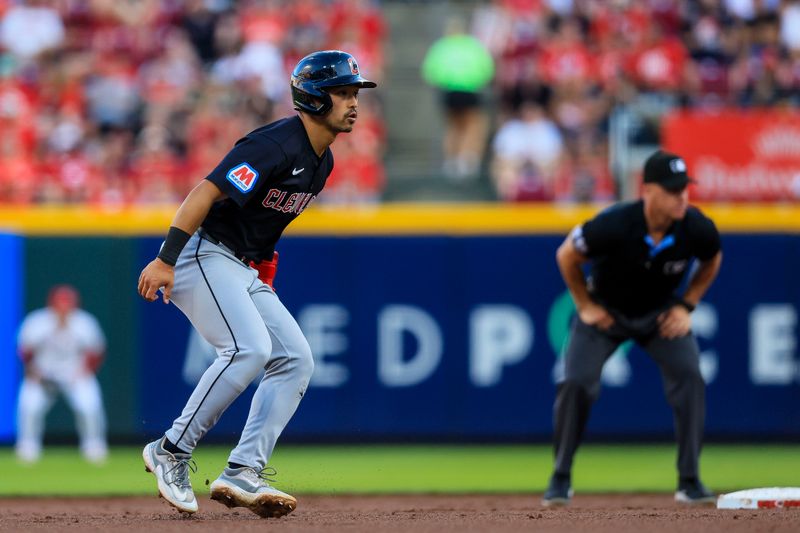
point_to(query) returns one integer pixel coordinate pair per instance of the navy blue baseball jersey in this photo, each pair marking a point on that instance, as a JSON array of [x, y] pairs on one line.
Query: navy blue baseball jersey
[[631, 274], [270, 176]]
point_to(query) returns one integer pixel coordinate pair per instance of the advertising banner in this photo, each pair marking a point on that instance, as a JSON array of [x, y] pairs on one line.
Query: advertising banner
[[460, 338], [10, 316], [738, 155]]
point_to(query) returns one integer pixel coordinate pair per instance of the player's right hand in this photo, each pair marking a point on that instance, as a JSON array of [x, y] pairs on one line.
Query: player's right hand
[[156, 275], [596, 315]]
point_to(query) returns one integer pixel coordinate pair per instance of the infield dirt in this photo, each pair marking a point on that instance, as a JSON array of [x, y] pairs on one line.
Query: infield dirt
[[435, 513]]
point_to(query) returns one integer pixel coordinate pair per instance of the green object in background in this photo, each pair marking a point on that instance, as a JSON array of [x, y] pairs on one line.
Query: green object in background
[[458, 62], [416, 469]]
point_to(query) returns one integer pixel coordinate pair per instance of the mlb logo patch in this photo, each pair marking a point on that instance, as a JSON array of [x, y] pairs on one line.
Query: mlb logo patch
[[353, 65], [677, 165], [243, 176]]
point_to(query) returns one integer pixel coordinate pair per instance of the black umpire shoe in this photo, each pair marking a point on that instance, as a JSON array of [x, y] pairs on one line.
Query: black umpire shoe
[[559, 491], [692, 491]]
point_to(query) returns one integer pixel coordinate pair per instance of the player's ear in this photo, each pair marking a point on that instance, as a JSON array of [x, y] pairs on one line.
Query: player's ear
[[316, 101]]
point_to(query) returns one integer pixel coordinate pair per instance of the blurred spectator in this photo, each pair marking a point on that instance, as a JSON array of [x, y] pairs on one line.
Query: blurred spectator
[[112, 93], [358, 27], [200, 22], [18, 182], [657, 63], [460, 67], [128, 102], [81, 80], [31, 28], [526, 152], [579, 60], [790, 24], [585, 176]]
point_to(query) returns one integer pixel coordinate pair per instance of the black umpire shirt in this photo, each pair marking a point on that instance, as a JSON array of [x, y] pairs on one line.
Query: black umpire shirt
[[270, 176], [629, 273]]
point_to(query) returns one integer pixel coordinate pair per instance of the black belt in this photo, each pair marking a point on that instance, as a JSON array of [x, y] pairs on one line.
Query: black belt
[[228, 248]]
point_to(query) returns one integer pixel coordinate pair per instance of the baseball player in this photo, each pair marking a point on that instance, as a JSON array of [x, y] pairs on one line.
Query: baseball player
[[639, 252], [221, 240], [61, 347]]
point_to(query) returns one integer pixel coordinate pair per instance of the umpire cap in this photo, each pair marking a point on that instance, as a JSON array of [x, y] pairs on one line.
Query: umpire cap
[[320, 70], [667, 170]]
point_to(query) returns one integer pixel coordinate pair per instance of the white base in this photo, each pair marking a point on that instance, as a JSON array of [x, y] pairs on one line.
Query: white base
[[764, 498]]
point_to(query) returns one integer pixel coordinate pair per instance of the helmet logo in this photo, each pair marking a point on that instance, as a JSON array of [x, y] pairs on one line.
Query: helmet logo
[[353, 65]]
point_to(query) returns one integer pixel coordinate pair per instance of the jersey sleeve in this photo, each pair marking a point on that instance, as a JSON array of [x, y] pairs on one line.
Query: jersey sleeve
[[32, 333], [246, 167], [93, 334], [706, 241], [598, 236], [27, 338]]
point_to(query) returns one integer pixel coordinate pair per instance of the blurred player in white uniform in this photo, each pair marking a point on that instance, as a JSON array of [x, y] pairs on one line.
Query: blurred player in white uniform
[[61, 347]]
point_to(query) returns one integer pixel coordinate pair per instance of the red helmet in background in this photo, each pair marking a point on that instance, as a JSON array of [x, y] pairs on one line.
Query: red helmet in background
[[63, 298]]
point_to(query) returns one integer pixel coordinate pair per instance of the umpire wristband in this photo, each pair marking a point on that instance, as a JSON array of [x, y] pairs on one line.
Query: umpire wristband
[[173, 244], [683, 303]]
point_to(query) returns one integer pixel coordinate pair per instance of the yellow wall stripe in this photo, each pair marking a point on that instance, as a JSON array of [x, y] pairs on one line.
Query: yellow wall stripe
[[389, 219]]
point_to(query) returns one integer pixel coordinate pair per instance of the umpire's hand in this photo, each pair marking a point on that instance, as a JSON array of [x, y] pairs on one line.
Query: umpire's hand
[[674, 322], [156, 275], [596, 315]]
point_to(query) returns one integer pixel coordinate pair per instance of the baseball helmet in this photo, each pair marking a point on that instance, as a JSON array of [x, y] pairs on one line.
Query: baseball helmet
[[318, 71], [63, 297]]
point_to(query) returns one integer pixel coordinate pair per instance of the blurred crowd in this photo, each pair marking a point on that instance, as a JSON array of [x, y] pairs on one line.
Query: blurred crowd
[[115, 102], [118, 102], [563, 66]]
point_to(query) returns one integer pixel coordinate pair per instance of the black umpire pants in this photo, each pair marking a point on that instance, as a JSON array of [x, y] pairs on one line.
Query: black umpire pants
[[587, 351]]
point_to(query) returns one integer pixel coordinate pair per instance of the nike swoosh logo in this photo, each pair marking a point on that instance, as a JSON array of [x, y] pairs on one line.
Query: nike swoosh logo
[[295, 172]]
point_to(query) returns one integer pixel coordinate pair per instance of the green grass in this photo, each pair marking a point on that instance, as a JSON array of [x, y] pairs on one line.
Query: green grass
[[416, 468]]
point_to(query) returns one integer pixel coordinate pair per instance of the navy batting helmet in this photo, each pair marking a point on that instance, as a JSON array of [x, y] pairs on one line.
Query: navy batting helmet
[[318, 71]]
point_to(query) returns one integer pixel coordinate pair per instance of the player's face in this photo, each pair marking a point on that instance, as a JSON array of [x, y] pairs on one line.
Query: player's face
[[672, 204], [63, 303], [343, 114]]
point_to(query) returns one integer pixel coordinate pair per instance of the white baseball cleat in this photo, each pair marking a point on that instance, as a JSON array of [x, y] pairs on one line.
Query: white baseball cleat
[[247, 487], [28, 452], [172, 474], [95, 453]]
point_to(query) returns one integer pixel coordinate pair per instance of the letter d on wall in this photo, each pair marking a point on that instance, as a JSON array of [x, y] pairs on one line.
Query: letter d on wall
[[393, 369]]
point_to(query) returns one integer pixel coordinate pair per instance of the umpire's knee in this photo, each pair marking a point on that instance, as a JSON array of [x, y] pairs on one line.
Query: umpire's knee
[[687, 371], [684, 384], [694, 377], [584, 390]]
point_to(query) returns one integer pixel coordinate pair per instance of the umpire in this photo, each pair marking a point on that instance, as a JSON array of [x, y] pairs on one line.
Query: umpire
[[639, 252]]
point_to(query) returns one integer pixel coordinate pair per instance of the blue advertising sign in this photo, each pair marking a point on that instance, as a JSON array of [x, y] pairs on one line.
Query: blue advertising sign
[[441, 337], [10, 316]]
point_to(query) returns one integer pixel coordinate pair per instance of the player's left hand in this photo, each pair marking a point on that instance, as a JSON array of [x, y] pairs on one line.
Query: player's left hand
[[92, 362], [32, 374], [674, 322]]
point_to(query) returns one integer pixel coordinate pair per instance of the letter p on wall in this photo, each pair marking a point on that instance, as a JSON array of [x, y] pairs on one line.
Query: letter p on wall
[[500, 335]]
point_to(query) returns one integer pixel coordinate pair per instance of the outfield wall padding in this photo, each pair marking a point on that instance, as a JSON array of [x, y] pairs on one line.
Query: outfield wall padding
[[422, 330]]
